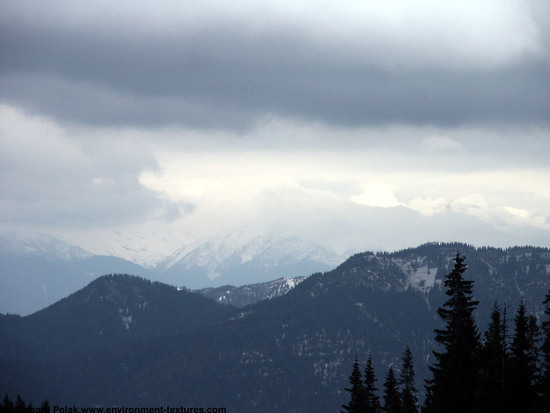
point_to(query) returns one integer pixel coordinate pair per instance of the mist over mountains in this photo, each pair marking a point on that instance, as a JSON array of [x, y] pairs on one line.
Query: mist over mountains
[[123, 339], [38, 269], [240, 257]]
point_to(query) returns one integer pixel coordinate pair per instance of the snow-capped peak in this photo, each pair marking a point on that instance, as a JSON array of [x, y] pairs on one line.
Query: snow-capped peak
[[241, 246], [38, 244]]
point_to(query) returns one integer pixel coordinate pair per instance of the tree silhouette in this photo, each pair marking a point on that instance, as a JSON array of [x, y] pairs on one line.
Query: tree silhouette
[[357, 391], [8, 405], [372, 399], [545, 376], [392, 400], [409, 393], [491, 388], [19, 405], [453, 385], [523, 369]]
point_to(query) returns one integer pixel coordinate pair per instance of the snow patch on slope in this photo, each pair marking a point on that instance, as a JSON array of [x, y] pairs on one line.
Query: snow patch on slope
[[423, 278], [419, 277]]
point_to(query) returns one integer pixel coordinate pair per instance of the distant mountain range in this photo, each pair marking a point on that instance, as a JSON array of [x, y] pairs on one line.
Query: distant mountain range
[[37, 269], [124, 340], [241, 257], [252, 293]]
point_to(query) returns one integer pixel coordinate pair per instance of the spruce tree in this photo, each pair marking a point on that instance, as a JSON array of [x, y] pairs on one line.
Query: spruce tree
[[545, 376], [8, 405], [533, 333], [19, 405], [45, 407], [409, 394], [453, 386], [392, 399], [371, 398], [523, 366], [491, 392], [357, 392]]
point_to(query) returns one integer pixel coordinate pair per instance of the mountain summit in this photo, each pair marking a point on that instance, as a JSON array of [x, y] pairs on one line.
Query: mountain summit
[[38, 269], [238, 257]]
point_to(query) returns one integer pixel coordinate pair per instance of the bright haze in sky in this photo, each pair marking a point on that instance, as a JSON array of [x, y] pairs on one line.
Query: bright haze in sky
[[355, 124]]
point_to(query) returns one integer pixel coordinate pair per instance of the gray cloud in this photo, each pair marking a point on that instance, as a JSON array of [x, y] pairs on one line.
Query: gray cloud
[[353, 228], [442, 107], [48, 177], [229, 73]]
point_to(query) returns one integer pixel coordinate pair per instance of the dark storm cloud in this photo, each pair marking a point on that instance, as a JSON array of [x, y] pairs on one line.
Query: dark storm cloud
[[230, 75]]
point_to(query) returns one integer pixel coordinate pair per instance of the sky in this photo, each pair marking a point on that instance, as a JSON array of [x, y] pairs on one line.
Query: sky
[[360, 125]]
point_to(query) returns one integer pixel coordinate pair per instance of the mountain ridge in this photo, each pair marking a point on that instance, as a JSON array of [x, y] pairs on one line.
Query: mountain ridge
[[241, 296], [249, 258], [290, 353], [39, 269]]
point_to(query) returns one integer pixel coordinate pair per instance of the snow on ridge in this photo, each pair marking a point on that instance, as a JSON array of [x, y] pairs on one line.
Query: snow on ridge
[[293, 282], [241, 246], [284, 285], [146, 248], [233, 247], [35, 243]]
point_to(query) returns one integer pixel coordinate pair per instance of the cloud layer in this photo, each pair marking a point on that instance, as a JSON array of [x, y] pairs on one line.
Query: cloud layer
[[218, 65], [364, 124]]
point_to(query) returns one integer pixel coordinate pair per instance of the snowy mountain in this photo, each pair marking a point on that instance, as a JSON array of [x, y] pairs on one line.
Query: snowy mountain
[[34, 244], [251, 293], [37, 270], [241, 257], [143, 246], [123, 339], [420, 269]]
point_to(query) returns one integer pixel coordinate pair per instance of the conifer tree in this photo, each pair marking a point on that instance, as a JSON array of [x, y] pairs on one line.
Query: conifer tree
[[392, 399], [8, 405], [357, 392], [45, 407], [491, 387], [452, 388], [533, 333], [409, 393], [522, 393], [545, 376], [19, 405], [371, 398]]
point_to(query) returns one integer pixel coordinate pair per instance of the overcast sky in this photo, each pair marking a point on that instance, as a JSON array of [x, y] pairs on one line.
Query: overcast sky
[[358, 124]]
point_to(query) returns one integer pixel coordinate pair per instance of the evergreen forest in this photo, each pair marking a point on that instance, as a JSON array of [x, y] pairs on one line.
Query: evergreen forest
[[500, 372], [19, 406], [408, 325]]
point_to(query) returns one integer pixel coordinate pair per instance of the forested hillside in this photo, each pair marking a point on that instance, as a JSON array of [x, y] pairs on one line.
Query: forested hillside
[[124, 339]]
